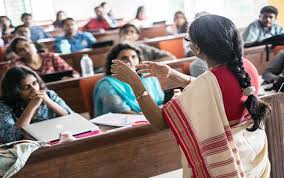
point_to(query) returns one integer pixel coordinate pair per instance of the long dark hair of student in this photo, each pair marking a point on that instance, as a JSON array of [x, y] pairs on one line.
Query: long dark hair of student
[[184, 27], [114, 52], [11, 87], [219, 39]]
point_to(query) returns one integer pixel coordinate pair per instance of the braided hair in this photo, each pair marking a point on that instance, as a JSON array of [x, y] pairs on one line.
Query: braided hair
[[219, 39]]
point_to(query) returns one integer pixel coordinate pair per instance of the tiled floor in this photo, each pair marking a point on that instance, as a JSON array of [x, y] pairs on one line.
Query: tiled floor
[[172, 174]]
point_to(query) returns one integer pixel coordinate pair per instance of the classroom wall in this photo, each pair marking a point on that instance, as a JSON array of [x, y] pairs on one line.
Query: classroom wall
[[280, 5]]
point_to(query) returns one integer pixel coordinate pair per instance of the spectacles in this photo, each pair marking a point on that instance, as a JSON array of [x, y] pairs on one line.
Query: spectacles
[[186, 37]]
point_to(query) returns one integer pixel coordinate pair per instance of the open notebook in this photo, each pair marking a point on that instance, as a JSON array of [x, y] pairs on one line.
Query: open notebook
[[118, 120]]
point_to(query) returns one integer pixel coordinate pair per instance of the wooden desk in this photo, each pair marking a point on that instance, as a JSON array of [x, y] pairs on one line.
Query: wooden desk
[[98, 57], [135, 152], [172, 43], [257, 55]]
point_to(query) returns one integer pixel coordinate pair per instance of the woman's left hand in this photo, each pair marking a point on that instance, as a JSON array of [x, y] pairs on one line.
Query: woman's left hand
[[124, 72]]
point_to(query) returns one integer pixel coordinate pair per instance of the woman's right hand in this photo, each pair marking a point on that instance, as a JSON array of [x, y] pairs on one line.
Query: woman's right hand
[[35, 100], [154, 69]]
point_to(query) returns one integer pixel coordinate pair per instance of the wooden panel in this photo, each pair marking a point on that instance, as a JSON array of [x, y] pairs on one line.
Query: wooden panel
[[257, 55], [174, 46], [98, 57], [152, 32], [135, 152], [275, 131], [70, 91]]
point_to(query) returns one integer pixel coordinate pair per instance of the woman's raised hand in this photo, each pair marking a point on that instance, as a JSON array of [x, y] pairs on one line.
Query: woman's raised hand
[[123, 72], [154, 69]]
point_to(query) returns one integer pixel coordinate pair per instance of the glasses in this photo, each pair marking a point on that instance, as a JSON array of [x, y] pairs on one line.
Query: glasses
[[186, 37]]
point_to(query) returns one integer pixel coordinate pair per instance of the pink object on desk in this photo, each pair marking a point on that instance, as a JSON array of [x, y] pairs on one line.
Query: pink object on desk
[[140, 123], [83, 135]]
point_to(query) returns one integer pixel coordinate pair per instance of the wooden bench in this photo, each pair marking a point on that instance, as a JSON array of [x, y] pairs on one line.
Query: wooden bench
[[257, 55], [135, 152]]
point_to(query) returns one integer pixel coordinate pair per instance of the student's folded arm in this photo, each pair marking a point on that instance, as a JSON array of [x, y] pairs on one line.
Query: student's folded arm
[[57, 104]]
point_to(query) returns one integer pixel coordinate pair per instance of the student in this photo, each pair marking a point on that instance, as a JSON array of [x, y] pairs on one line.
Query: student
[[275, 70], [6, 25], [42, 63], [130, 33], [140, 20], [22, 31], [77, 40], [180, 23], [107, 9], [37, 32], [25, 101], [60, 16], [217, 119], [264, 27], [101, 22], [112, 95]]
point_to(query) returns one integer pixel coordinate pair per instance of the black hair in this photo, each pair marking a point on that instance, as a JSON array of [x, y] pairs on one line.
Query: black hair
[[67, 19], [126, 26], [114, 52], [220, 40], [184, 27], [11, 87], [18, 27], [139, 10], [57, 14], [269, 9], [11, 25], [4, 28], [25, 15], [13, 45]]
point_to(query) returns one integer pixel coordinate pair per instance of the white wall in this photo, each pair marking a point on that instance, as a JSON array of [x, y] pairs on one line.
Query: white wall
[[241, 12]]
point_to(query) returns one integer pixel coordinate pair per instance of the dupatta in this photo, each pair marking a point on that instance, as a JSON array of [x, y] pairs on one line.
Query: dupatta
[[152, 85], [199, 123]]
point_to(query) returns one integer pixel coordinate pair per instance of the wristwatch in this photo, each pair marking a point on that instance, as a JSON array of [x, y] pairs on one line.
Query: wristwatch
[[145, 93]]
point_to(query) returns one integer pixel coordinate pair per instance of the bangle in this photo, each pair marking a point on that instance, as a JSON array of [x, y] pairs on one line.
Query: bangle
[[145, 93]]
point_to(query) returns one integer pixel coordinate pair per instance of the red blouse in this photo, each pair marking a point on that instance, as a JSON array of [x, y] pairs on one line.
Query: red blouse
[[233, 96]]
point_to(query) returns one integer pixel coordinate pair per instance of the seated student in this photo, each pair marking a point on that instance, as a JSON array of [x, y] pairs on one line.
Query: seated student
[[23, 31], [77, 40], [130, 33], [6, 25], [140, 20], [264, 27], [101, 22], [37, 32], [107, 9], [25, 101], [112, 95], [275, 69], [180, 23], [60, 16], [42, 63]]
